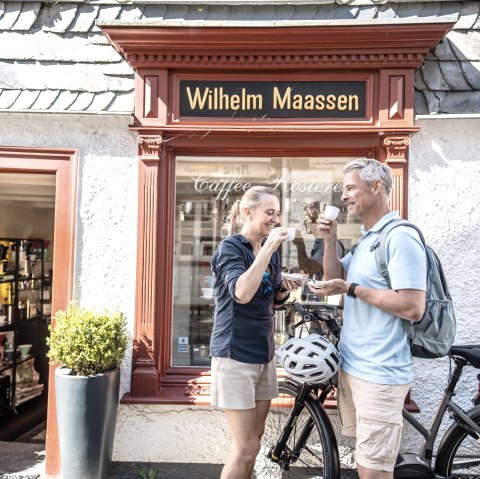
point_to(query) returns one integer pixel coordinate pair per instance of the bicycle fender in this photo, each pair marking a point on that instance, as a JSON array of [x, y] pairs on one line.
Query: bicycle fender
[[473, 414]]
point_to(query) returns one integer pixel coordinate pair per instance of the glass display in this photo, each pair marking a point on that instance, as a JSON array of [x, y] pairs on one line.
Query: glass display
[[206, 188]]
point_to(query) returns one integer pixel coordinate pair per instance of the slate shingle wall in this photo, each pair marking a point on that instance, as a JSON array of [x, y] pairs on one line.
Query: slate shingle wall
[[53, 57]]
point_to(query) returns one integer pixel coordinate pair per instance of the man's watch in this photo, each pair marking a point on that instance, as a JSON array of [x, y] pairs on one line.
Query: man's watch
[[351, 290]]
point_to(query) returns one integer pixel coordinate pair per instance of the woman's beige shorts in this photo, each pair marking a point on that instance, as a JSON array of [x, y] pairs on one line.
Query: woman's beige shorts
[[237, 385], [372, 413]]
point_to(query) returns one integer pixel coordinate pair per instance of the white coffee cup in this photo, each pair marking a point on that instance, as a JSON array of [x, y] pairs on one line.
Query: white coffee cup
[[291, 234], [331, 212]]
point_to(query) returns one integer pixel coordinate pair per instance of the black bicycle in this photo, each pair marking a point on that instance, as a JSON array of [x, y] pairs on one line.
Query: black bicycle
[[299, 439]]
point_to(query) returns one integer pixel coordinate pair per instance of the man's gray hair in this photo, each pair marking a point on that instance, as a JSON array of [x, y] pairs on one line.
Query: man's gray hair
[[371, 170]]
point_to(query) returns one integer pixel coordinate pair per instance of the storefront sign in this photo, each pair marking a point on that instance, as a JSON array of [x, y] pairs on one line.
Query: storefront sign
[[272, 99]]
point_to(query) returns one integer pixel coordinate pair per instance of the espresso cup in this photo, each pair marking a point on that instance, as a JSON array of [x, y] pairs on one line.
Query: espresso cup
[[331, 212]]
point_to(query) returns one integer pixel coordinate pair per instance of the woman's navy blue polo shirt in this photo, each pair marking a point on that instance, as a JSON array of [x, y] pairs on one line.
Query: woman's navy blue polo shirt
[[243, 332]]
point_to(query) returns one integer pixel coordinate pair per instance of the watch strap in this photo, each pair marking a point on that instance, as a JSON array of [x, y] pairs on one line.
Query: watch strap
[[351, 290]]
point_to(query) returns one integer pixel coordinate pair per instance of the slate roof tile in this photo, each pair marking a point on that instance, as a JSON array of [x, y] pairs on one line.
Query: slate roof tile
[[57, 17], [2, 9], [45, 100], [197, 12], [131, 13], [429, 9], [324, 12], [241, 12], [465, 44], [64, 100], [82, 102], [218, 12], [432, 76], [433, 100], [101, 101], [366, 13], [123, 102], [8, 97], [450, 8], [26, 99], [27, 16], [176, 12], [387, 11], [443, 51], [452, 78], [468, 15], [11, 14], [264, 13], [84, 19], [421, 107], [284, 12], [156, 12], [305, 12], [460, 102], [471, 70]]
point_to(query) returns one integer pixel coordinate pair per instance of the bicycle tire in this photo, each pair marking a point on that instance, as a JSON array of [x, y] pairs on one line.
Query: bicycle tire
[[318, 459], [459, 453]]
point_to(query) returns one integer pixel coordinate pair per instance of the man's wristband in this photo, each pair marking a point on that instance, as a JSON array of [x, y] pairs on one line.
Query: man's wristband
[[351, 290]]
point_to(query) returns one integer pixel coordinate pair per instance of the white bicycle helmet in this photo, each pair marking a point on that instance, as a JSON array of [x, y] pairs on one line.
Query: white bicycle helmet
[[313, 359]]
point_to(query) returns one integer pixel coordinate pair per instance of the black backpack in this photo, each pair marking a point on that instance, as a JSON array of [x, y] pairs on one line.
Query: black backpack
[[433, 335]]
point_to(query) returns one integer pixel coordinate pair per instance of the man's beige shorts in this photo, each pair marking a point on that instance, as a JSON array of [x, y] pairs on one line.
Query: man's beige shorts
[[372, 413], [237, 385]]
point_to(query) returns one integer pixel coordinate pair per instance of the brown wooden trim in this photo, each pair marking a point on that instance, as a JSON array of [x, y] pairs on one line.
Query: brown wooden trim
[[63, 164], [350, 45]]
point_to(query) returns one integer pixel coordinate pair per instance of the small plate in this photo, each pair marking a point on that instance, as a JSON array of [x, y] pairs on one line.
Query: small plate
[[294, 276]]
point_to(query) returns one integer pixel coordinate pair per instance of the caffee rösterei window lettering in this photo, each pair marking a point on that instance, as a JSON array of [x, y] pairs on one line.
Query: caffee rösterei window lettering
[[206, 188]]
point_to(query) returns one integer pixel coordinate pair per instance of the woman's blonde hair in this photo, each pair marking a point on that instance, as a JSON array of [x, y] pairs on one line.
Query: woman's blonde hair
[[251, 199]]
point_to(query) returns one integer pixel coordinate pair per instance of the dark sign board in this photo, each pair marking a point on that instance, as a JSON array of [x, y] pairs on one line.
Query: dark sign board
[[273, 99]]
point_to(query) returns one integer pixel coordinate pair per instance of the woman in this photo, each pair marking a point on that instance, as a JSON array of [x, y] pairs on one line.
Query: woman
[[247, 285]]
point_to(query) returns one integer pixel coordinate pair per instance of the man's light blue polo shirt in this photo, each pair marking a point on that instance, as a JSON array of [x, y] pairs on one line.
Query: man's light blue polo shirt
[[373, 343]]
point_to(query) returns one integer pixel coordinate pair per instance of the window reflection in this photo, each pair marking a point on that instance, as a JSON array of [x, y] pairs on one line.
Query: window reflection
[[206, 188]]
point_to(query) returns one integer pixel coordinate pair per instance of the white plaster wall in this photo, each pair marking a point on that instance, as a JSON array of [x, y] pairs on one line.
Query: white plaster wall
[[105, 245], [443, 199]]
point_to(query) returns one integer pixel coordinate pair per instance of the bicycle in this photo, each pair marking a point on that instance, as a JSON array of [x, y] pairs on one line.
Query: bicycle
[[300, 437]]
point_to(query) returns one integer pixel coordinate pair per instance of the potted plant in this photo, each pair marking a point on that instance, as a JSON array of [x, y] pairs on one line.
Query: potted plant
[[89, 347]]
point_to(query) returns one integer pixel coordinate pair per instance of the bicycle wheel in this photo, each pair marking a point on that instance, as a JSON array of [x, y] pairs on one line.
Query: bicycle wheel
[[459, 453], [317, 459]]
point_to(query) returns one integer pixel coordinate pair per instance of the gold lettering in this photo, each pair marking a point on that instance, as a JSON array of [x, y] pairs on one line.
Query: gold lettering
[[281, 102], [331, 102], [308, 105], [352, 99], [320, 102], [254, 102], [197, 98], [297, 102], [235, 102], [342, 102]]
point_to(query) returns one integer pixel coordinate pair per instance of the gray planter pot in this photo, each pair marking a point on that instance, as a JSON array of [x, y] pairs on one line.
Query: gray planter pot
[[86, 417]]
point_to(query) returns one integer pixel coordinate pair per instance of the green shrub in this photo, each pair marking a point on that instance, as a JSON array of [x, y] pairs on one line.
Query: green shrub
[[87, 342]]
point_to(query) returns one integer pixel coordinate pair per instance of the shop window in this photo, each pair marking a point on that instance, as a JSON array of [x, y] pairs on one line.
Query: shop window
[[206, 188]]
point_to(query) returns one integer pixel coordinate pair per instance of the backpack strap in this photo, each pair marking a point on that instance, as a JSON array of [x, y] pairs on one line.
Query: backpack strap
[[381, 258]]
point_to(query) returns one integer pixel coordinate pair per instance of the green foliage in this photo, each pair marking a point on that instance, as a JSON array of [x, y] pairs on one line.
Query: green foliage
[[87, 342], [151, 474]]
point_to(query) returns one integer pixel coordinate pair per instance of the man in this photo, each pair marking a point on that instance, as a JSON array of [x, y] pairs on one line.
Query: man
[[376, 366]]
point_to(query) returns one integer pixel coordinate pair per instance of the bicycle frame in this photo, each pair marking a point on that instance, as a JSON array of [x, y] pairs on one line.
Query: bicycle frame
[[456, 413]]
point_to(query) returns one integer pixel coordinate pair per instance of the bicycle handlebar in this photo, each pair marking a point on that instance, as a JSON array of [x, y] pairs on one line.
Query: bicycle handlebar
[[325, 314]]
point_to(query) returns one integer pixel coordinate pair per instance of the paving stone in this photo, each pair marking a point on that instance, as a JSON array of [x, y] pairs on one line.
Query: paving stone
[[28, 16]]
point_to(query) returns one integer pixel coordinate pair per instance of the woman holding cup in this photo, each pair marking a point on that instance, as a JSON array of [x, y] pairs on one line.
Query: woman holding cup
[[247, 285]]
